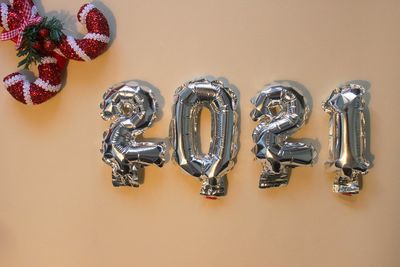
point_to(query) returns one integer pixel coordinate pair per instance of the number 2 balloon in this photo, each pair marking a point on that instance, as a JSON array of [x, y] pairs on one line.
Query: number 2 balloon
[[280, 110], [133, 108]]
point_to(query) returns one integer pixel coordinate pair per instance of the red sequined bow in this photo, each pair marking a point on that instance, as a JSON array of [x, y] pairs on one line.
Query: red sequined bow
[[29, 18]]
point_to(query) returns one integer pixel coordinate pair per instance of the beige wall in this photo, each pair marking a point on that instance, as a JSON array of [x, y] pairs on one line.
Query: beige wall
[[57, 205]]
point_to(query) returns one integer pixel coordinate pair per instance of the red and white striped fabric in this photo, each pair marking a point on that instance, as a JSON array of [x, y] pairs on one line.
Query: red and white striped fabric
[[52, 65], [95, 41], [43, 88]]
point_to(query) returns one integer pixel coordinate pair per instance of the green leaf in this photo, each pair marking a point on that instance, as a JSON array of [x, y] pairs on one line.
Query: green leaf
[[22, 53], [22, 62]]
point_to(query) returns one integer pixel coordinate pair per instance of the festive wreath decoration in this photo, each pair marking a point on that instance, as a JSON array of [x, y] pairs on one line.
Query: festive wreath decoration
[[40, 40]]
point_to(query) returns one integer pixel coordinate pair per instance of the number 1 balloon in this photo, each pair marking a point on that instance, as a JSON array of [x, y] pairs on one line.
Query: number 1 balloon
[[280, 110], [212, 166], [133, 108], [347, 133]]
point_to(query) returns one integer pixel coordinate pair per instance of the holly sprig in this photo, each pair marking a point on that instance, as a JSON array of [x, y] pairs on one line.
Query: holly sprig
[[38, 40]]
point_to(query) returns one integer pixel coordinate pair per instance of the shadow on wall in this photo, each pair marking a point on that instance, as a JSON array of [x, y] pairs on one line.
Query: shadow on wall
[[367, 98], [309, 100], [160, 114]]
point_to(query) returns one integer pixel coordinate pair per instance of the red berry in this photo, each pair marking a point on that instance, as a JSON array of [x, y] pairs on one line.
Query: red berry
[[37, 46], [49, 45], [43, 32]]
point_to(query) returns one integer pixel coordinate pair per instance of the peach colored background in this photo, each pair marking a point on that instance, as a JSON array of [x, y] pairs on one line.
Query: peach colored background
[[57, 205]]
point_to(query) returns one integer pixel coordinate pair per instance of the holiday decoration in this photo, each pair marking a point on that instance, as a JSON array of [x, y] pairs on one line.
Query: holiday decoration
[[40, 40], [280, 110], [348, 138], [211, 167], [133, 108]]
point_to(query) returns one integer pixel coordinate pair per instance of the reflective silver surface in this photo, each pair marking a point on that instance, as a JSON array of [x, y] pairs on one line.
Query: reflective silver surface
[[210, 167], [347, 133], [280, 110], [132, 108]]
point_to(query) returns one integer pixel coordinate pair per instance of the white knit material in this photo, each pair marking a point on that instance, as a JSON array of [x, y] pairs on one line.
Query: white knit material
[[98, 37], [48, 60], [13, 80], [85, 12], [72, 43], [27, 95], [4, 15], [46, 86]]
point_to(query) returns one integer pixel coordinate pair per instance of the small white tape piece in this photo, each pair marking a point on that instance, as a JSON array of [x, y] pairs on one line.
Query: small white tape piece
[[72, 43], [46, 86], [48, 60], [98, 37], [4, 16], [34, 11], [58, 51], [13, 80], [85, 12], [27, 94]]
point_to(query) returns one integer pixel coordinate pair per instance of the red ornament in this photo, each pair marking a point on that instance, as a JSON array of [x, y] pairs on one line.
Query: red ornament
[[49, 45], [52, 64], [44, 33], [37, 46]]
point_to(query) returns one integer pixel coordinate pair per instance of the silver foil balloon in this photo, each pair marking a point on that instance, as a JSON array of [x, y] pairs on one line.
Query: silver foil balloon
[[347, 134], [212, 166], [132, 108], [280, 110]]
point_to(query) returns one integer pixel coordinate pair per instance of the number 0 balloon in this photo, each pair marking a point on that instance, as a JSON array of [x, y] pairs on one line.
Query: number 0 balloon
[[212, 166], [347, 133]]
